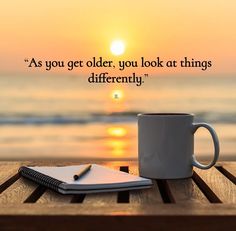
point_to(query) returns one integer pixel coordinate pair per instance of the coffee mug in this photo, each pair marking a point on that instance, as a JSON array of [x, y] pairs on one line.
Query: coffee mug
[[166, 145]]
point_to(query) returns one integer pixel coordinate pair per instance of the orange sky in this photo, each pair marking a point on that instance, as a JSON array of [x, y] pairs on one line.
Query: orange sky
[[81, 29]]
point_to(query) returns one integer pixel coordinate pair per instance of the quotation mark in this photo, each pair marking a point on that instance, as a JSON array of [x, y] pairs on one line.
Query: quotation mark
[[26, 60], [145, 75]]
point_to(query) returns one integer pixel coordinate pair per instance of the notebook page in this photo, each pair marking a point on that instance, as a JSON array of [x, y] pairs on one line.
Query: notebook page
[[97, 177]]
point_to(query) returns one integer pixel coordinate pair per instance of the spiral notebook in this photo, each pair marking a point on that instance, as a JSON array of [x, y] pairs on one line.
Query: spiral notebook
[[98, 179]]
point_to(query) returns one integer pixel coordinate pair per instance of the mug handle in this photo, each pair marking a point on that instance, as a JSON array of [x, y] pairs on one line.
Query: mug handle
[[214, 136]]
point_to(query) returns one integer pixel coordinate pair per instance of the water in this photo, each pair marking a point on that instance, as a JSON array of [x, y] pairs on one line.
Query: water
[[66, 117]]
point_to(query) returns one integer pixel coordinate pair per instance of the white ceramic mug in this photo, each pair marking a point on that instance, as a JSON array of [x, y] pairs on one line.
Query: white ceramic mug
[[166, 145]]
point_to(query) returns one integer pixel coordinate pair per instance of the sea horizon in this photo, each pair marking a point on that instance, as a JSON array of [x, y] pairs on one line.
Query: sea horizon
[[65, 117]]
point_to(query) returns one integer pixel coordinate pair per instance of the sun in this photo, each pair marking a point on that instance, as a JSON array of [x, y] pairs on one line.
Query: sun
[[117, 47]]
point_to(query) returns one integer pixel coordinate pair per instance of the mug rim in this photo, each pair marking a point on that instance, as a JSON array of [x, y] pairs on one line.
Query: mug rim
[[166, 114]]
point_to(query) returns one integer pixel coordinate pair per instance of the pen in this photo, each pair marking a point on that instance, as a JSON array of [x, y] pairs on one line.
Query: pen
[[82, 172]]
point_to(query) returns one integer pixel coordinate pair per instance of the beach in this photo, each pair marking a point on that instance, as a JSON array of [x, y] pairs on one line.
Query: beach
[[65, 117]]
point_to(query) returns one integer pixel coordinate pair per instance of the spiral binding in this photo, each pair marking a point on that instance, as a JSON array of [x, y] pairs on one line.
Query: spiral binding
[[40, 178]]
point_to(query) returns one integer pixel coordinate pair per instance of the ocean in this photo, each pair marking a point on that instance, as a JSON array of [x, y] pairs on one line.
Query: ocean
[[65, 117]]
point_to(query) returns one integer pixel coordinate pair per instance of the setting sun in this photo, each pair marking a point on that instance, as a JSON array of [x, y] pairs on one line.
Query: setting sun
[[117, 47]]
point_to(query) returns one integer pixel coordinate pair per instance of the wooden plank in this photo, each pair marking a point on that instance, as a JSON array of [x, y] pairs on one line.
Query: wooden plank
[[223, 188], [101, 198], [117, 221], [7, 170], [231, 167], [52, 197], [121, 209], [228, 170], [144, 196], [186, 191], [18, 192]]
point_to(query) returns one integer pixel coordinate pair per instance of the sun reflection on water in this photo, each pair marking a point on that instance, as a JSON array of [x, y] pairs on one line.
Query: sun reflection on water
[[117, 142], [117, 147], [117, 131]]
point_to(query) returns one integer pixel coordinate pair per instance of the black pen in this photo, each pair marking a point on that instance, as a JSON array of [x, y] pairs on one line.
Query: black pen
[[82, 171]]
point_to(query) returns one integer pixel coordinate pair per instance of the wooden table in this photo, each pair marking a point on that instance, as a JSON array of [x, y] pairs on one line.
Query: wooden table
[[207, 201]]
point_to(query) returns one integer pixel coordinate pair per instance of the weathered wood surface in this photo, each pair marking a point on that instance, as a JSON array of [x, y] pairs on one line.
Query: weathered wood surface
[[224, 189], [186, 191], [144, 196], [121, 209], [18, 192], [53, 197], [230, 167], [8, 169], [207, 201]]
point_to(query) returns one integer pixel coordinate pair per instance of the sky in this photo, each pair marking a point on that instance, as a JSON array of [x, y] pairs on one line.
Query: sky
[[67, 30]]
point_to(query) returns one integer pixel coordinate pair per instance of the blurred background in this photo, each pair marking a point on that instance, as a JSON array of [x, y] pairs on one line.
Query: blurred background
[[58, 114]]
